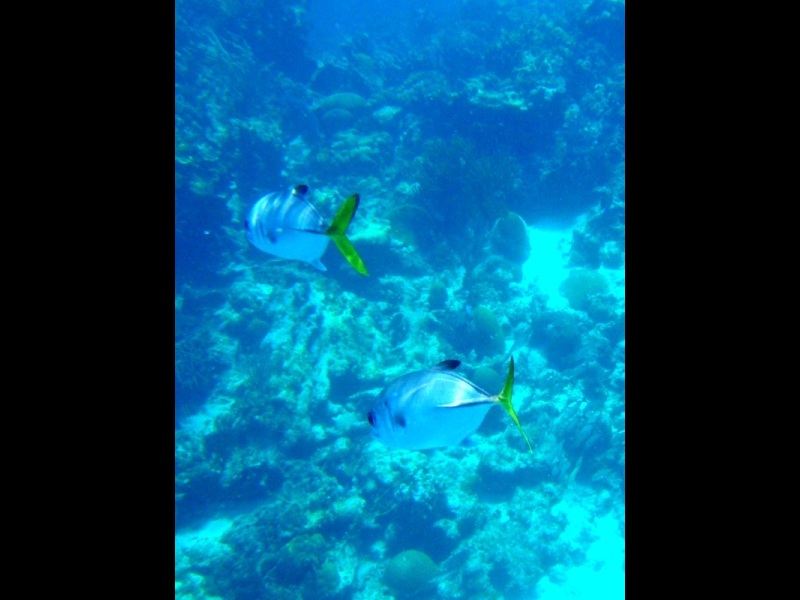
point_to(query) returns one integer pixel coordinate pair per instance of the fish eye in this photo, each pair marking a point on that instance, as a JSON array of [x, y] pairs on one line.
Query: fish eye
[[371, 418]]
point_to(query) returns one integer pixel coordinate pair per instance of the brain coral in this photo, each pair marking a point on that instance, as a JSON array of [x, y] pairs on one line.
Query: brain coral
[[410, 573], [510, 238], [488, 379], [344, 100], [489, 338], [582, 287]]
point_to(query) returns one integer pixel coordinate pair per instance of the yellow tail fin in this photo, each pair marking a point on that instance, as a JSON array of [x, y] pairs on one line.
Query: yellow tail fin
[[337, 232], [505, 399]]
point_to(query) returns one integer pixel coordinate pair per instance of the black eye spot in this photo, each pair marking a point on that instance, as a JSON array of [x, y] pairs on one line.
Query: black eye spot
[[400, 420], [371, 418]]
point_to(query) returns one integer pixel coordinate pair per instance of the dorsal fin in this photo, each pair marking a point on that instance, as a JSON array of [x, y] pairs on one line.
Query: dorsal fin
[[447, 365]]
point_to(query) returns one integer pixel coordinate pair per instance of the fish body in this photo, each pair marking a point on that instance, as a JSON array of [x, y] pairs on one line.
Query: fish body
[[435, 408], [288, 226]]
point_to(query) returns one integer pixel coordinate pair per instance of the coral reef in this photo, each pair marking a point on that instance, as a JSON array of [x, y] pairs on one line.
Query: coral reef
[[464, 131]]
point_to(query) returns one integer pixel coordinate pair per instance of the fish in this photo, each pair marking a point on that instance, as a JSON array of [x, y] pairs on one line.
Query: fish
[[436, 408], [288, 226]]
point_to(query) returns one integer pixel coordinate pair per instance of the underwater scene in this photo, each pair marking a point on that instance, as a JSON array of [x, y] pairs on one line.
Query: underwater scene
[[399, 299]]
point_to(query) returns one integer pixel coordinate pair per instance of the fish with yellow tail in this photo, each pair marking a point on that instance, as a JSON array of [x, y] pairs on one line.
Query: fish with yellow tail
[[288, 226], [435, 408]]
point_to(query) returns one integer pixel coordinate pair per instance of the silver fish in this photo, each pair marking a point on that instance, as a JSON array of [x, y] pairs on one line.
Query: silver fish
[[436, 408], [287, 225]]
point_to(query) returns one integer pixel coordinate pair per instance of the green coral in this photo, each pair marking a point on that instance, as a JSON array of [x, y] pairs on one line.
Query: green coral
[[489, 336], [349, 101], [582, 288], [410, 573], [487, 379]]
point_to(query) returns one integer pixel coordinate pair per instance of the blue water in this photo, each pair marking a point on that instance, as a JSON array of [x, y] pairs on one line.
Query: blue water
[[485, 139]]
